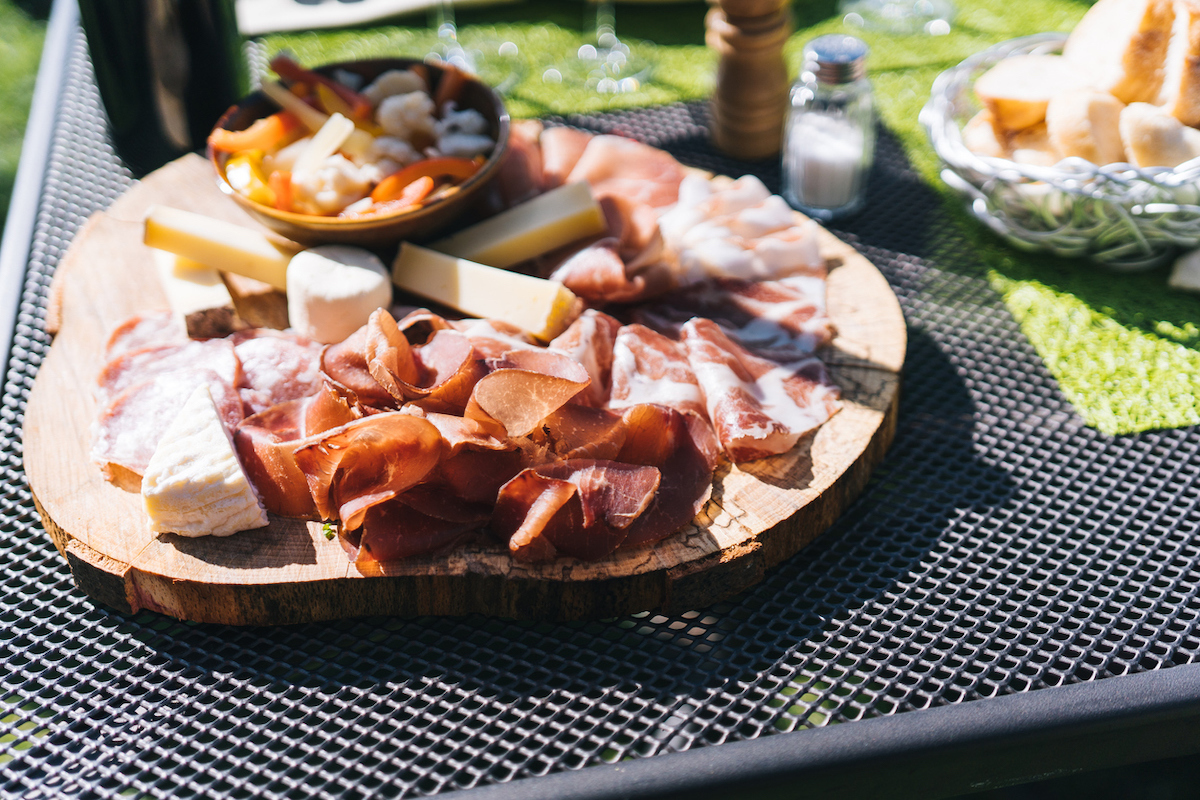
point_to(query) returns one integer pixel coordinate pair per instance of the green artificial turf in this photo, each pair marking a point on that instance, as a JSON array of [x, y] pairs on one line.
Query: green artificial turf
[[22, 28]]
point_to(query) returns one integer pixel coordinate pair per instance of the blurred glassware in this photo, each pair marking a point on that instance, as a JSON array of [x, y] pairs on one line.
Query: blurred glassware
[[933, 17], [166, 69], [604, 64]]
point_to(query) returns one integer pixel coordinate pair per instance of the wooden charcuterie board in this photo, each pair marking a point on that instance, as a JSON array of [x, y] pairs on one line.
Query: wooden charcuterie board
[[760, 513]]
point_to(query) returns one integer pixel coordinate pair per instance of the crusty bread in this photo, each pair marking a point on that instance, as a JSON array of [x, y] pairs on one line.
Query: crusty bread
[[1154, 138], [1086, 124], [1017, 89], [1180, 94], [1122, 45], [1032, 146], [980, 136]]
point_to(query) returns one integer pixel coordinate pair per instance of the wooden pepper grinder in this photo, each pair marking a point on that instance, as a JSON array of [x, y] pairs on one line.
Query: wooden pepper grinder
[[750, 101]]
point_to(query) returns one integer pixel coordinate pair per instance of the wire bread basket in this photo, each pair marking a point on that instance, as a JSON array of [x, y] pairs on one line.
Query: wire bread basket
[[1124, 217]]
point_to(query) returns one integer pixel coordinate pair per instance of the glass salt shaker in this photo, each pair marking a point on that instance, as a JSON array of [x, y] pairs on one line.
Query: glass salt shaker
[[829, 135]]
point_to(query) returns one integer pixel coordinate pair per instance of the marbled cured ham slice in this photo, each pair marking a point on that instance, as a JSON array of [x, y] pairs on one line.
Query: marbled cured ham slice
[[776, 319], [561, 148], [423, 520], [520, 174], [136, 366], [757, 407], [524, 387], [153, 329], [440, 373], [650, 368], [367, 462], [127, 429], [599, 275], [580, 508], [589, 341], [277, 366], [266, 445]]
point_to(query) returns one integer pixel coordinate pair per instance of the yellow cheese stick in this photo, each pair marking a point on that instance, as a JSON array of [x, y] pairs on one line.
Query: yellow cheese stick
[[218, 244], [547, 222], [544, 308]]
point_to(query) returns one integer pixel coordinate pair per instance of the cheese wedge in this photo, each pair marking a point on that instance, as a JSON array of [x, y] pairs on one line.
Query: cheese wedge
[[547, 222], [194, 484], [219, 244], [544, 308]]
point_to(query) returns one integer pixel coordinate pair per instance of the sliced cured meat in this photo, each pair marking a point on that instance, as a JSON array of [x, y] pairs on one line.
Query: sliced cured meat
[[618, 167], [367, 462], [524, 387], [650, 368], [327, 409], [776, 319], [684, 449], [576, 431], [493, 338], [441, 373], [520, 174], [153, 329], [277, 366], [561, 149], [136, 366], [266, 445], [477, 475], [422, 520], [598, 275], [460, 432], [757, 407], [345, 364], [580, 508], [127, 429], [589, 341]]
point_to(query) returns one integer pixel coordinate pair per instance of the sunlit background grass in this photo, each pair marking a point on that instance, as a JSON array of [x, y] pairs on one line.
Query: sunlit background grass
[[22, 28]]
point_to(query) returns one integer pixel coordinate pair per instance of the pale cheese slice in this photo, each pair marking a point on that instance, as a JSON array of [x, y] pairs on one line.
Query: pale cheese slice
[[219, 244], [544, 308], [194, 484], [547, 222], [197, 293]]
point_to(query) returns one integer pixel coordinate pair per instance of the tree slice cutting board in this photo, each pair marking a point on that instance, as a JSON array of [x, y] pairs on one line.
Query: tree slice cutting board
[[761, 512]]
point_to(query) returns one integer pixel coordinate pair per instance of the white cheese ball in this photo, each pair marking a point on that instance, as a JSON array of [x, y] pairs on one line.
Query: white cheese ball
[[333, 289]]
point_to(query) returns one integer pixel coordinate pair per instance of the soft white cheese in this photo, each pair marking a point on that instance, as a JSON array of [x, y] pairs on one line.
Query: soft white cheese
[[333, 289], [194, 484]]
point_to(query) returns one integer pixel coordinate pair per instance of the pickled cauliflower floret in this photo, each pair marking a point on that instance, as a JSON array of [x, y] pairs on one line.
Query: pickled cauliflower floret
[[335, 184], [403, 115], [466, 121], [387, 154], [286, 157], [463, 145], [393, 82]]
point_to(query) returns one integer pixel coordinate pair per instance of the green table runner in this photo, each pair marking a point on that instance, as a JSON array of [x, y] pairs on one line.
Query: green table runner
[[1125, 349]]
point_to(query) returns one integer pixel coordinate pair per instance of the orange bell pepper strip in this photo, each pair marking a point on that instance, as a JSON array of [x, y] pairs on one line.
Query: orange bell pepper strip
[[289, 70], [264, 134], [280, 182], [393, 186]]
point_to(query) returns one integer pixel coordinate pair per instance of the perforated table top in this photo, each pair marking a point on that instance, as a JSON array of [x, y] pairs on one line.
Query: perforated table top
[[1002, 548]]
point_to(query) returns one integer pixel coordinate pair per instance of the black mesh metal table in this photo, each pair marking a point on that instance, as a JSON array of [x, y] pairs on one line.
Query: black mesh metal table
[[1014, 595]]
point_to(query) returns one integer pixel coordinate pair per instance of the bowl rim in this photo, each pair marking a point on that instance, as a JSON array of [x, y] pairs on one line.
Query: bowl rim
[[1070, 174], [321, 221]]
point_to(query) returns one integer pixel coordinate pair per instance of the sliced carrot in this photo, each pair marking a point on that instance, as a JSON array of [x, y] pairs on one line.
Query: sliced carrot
[[412, 196], [449, 86], [264, 134], [395, 184], [280, 182], [288, 69]]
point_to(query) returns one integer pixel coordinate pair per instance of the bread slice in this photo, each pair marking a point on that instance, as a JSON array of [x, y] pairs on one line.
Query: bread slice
[[1154, 138], [980, 136], [1180, 94], [1086, 124], [1018, 88], [1032, 146], [1122, 44]]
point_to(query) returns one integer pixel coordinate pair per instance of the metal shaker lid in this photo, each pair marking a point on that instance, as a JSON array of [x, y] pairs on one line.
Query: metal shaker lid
[[836, 58]]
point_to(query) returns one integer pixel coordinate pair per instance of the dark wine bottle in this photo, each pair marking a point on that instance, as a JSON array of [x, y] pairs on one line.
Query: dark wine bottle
[[167, 70]]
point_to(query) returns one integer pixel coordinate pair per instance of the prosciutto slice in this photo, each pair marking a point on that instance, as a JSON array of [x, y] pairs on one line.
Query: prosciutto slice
[[441, 373], [266, 445], [757, 407], [423, 520], [367, 462], [650, 368], [775, 319], [524, 387], [580, 508], [589, 341], [561, 149]]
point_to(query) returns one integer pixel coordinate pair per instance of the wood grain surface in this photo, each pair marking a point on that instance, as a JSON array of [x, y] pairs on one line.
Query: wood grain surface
[[761, 512]]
